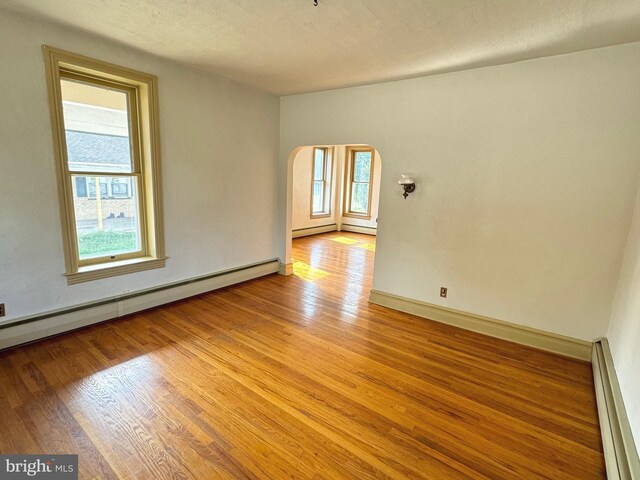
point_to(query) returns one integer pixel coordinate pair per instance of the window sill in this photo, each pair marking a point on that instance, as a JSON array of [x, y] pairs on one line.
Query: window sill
[[320, 215], [362, 216], [105, 270]]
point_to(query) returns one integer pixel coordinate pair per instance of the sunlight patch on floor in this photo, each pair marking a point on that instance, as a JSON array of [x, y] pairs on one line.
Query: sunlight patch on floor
[[307, 272], [368, 246], [345, 240]]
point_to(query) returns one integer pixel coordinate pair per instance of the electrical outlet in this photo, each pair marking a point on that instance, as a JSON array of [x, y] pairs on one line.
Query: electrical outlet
[[443, 292], [1, 309]]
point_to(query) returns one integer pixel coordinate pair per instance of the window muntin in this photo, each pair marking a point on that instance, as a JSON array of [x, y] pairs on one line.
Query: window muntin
[[320, 184], [105, 129], [359, 184]]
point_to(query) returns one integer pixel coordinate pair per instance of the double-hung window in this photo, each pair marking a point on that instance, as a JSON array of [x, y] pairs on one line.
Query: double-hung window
[[358, 184], [320, 183], [105, 130]]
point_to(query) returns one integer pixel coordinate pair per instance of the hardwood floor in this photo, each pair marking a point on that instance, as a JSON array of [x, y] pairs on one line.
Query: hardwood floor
[[299, 377]]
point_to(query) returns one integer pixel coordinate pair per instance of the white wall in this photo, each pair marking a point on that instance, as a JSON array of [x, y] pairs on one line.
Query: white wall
[[212, 130], [624, 329], [301, 200], [526, 179]]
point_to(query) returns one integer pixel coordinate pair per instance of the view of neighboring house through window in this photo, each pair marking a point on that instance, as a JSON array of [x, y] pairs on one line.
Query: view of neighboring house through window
[[105, 178], [321, 184], [106, 144], [359, 184]]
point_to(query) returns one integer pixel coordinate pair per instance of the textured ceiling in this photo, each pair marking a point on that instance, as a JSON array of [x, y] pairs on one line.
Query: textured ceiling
[[290, 46]]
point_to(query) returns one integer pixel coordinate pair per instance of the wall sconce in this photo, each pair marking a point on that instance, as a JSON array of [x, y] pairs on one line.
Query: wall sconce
[[408, 184]]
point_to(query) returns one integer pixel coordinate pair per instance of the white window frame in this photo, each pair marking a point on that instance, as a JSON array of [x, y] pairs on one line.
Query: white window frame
[[349, 182], [326, 182], [144, 133]]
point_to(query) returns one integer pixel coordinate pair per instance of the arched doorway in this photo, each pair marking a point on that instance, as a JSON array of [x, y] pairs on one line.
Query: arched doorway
[[331, 188]]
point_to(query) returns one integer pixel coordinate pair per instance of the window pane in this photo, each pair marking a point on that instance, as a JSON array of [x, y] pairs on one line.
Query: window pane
[[81, 186], [362, 167], [120, 187], [318, 199], [107, 224], [96, 121], [91, 187], [360, 197], [318, 165]]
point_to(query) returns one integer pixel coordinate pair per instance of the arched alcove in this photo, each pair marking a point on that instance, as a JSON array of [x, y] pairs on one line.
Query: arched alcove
[[339, 180]]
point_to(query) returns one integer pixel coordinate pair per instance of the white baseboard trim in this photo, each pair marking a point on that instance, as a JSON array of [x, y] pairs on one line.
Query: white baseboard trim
[[620, 453], [286, 269], [305, 232], [358, 229], [551, 342], [37, 327]]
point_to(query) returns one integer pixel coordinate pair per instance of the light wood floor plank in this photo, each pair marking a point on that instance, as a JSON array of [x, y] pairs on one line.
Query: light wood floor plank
[[294, 377]]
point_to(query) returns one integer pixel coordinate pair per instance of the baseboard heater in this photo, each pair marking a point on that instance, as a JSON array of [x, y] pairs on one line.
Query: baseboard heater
[[36, 327], [620, 452], [359, 229], [305, 232]]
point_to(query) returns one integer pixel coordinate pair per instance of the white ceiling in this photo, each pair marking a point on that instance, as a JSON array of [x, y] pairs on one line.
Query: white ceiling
[[290, 46]]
